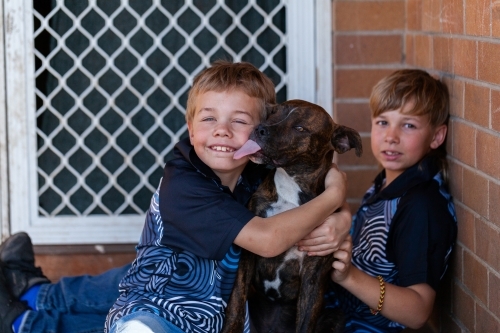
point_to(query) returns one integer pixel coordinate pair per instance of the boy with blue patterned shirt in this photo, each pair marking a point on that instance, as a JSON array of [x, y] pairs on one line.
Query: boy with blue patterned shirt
[[405, 229], [190, 245]]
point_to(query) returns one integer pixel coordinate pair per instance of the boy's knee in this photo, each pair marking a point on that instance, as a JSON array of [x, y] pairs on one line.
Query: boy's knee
[[143, 322], [134, 325]]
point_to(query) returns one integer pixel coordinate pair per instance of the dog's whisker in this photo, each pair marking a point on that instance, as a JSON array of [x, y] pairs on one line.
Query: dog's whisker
[[282, 120]]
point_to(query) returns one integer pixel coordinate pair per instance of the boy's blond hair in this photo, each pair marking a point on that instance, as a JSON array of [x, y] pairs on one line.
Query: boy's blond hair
[[226, 76], [429, 97]]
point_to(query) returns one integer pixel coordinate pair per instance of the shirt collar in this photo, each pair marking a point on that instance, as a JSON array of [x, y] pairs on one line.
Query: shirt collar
[[250, 178], [423, 171]]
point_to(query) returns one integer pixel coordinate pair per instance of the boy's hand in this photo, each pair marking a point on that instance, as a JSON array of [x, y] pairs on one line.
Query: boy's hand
[[342, 265], [327, 237]]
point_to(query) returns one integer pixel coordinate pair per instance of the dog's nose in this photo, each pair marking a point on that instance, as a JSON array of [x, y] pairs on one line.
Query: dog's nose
[[261, 131]]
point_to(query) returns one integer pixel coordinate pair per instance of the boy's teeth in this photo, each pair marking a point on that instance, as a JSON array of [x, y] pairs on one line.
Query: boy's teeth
[[220, 148]]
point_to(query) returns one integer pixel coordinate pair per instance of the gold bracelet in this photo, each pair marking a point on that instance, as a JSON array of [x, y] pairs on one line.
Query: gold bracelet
[[381, 299]]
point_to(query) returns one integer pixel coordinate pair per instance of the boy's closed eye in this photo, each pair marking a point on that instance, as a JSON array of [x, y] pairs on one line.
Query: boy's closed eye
[[240, 121]]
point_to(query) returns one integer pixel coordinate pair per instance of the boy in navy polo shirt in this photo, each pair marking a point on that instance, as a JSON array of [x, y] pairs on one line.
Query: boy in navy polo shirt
[[189, 250], [405, 229]]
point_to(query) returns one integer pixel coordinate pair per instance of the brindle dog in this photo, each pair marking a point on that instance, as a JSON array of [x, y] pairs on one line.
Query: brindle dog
[[285, 293]]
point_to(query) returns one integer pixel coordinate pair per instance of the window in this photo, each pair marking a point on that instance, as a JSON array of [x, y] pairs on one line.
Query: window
[[96, 92]]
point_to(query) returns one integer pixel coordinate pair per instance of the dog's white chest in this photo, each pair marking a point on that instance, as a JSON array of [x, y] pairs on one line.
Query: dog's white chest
[[288, 198], [288, 193]]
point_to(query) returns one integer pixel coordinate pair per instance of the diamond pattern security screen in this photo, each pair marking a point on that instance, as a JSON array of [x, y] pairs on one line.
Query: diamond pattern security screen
[[112, 79]]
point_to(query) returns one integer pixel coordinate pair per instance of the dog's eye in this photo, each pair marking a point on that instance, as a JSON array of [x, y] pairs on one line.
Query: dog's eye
[[299, 128]]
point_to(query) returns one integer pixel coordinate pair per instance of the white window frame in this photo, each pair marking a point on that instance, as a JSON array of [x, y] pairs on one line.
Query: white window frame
[[309, 77]]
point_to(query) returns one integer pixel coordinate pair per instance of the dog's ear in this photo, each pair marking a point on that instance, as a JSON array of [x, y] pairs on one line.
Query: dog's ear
[[345, 138]]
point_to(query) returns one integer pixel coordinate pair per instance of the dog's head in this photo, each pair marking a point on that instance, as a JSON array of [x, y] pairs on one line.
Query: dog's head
[[299, 132]]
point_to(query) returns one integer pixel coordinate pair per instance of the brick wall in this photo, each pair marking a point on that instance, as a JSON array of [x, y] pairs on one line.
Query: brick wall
[[459, 41], [58, 261]]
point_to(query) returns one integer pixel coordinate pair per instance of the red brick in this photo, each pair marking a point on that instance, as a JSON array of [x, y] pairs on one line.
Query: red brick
[[357, 83], [456, 89], [495, 110], [359, 181], [414, 14], [354, 115], [464, 142], [57, 266], [443, 53], [477, 17], [489, 62], [464, 57], [359, 49], [494, 293], [487, 239], [456, 180], [477, 104], [494, 204], [369, 15], [452, 14], [495, 19], [485, 321], [476, 277], [466, 227], [410, 50], [354, 205], [449, 140], [431, 15], [476, 195], [487, 153], [463, 308], [423, 51]]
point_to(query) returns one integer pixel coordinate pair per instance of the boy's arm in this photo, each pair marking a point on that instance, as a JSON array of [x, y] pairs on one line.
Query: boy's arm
[[271, 236], [410, 306], [327, 238]]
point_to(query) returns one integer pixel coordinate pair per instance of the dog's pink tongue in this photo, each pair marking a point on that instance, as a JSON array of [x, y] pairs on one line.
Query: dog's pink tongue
[[248, 148]]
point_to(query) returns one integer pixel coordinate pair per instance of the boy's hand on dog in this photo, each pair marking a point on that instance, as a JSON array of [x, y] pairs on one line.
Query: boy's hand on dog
[[342, 264], [327, 237]]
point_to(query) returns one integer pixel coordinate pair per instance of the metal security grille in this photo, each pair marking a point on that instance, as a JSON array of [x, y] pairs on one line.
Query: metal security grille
[[112, 79]]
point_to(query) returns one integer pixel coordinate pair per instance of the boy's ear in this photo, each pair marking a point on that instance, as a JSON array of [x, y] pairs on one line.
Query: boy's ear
[[439, 136]]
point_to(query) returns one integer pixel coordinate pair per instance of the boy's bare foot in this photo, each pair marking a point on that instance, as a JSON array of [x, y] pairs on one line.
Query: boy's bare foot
[[18, 264]]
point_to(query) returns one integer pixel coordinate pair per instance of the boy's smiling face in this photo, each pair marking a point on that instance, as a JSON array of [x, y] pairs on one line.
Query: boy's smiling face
[[400, 140], [221, 124]]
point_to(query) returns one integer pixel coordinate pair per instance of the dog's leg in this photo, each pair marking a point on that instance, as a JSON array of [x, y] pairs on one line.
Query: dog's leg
[[234, 321], [330, 321], [312, 289]]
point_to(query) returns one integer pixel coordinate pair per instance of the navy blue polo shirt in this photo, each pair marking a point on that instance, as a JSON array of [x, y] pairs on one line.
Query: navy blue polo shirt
[[186, 261], [200, 214], [404, 232]]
